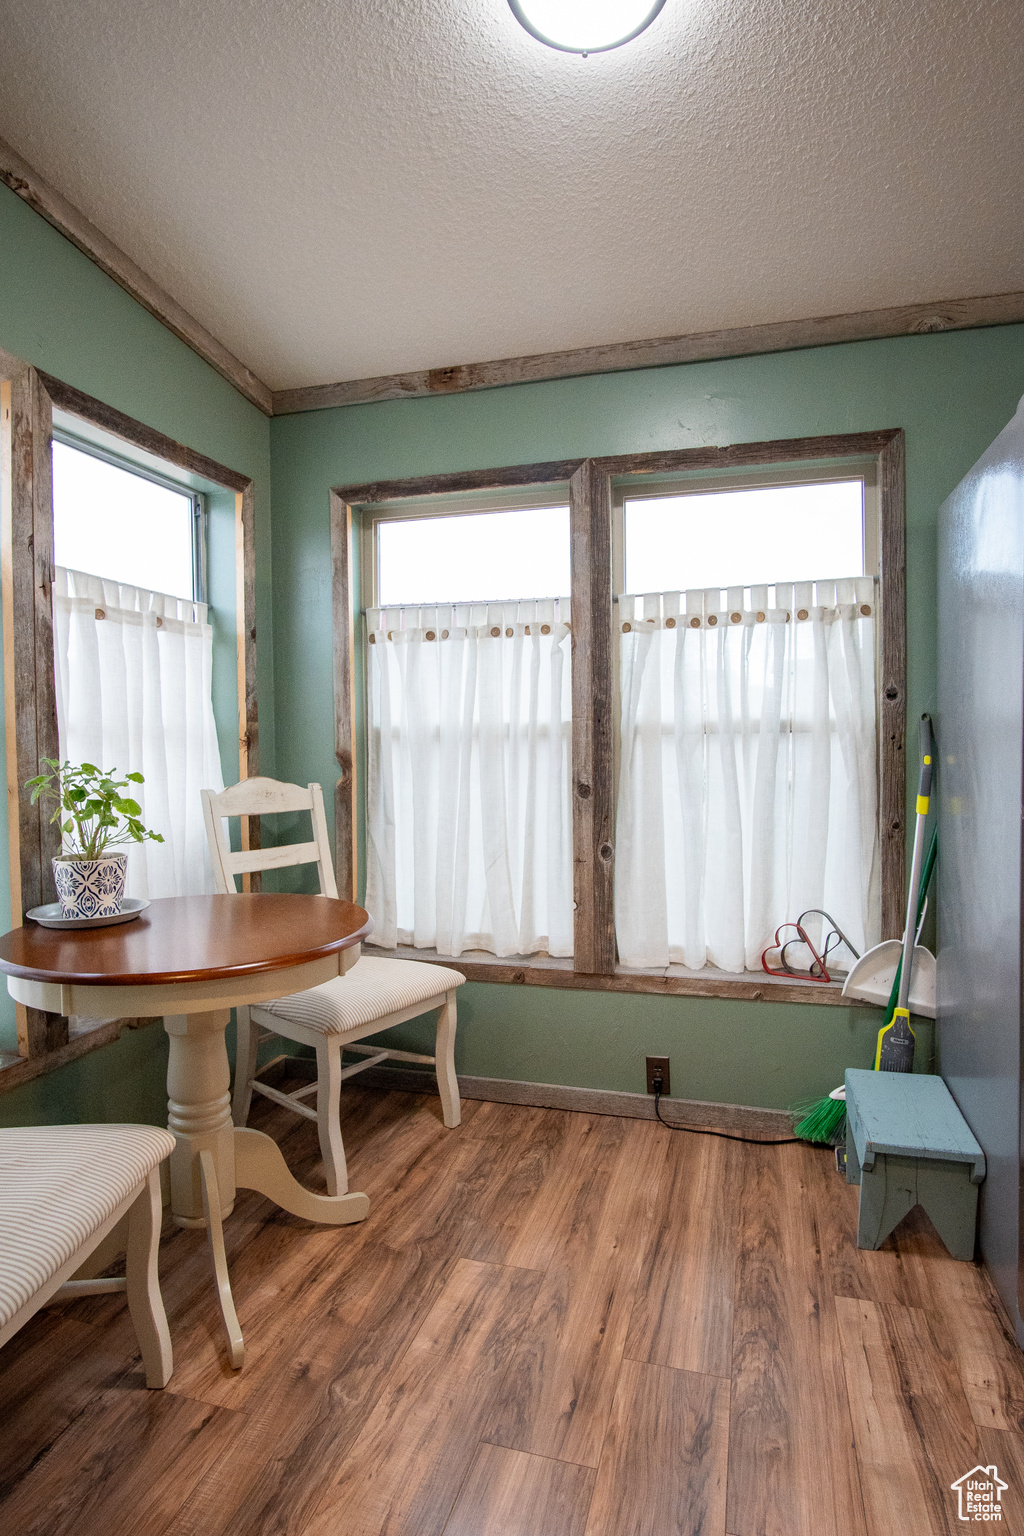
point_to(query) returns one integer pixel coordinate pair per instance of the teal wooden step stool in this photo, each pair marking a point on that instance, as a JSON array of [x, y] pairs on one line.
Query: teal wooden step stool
[[908, 1144]]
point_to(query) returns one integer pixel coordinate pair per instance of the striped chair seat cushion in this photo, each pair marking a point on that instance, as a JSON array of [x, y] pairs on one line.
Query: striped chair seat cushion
[[58, 1185], [369, 991]]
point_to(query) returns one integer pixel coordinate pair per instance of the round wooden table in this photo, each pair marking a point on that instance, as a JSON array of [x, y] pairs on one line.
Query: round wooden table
[[191, 959]]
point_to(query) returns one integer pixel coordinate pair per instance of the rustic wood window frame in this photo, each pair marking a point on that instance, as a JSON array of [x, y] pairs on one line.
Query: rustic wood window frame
[[594, 964], [28, 399]]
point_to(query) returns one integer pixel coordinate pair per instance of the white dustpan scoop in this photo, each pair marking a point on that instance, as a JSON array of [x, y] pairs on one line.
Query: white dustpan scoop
[[872, 977]]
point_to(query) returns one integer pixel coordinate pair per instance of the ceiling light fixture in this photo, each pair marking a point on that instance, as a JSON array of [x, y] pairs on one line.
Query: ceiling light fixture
[[585, 26]]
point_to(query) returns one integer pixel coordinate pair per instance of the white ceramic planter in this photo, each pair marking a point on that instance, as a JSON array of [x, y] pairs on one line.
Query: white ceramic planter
[[90, 887]]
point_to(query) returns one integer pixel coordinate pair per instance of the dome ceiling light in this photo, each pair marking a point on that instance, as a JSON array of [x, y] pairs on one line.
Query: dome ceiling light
[[585, 26]]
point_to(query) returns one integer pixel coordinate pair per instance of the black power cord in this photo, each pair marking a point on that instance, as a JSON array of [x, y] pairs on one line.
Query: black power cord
[[695, 1130]]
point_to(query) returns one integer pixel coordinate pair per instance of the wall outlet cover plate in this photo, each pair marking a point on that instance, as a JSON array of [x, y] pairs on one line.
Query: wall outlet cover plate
[[657, 1064]]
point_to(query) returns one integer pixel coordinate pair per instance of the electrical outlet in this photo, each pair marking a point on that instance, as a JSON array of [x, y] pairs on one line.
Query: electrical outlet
[[657, 1066]]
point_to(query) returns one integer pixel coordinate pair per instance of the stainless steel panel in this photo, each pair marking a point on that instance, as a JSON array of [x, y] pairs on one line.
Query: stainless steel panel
[[980, 730]]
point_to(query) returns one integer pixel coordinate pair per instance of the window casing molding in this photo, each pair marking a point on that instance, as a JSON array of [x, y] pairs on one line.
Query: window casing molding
[[29, 400], [593, 485]]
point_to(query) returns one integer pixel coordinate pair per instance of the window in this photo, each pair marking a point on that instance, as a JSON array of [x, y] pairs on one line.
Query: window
[[469, 842], [113, 521], [473, 557], [133, 651], [686, 539], [730, 730], [33, 406], [747, 740]]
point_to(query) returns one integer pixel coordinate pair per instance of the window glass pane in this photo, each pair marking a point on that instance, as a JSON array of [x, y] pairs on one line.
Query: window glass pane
[[473, 557], [109, 522], [738, 538]]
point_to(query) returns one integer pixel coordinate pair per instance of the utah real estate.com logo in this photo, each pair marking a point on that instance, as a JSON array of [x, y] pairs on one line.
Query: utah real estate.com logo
[[980, 1494]]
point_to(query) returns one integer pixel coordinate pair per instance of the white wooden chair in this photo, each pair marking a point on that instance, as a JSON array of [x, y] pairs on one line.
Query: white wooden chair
[[373, 995], [63, 1191]]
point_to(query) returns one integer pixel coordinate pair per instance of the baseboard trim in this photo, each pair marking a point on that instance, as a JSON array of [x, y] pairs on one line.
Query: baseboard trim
[[697, 1114]]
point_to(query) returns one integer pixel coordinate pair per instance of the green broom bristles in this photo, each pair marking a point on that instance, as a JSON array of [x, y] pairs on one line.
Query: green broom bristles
[[824, 1121]]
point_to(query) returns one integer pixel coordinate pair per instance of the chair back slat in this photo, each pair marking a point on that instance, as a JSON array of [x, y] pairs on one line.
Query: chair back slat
[[272, 858], [261, 797]]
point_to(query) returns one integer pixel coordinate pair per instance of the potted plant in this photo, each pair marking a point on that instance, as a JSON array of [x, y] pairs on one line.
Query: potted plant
[[95, 815]]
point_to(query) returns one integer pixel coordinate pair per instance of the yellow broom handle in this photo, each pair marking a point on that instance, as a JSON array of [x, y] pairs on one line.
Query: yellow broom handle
[[923, 794]]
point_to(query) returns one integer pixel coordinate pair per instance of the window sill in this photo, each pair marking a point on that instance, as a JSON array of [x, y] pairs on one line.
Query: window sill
[[672, 981]]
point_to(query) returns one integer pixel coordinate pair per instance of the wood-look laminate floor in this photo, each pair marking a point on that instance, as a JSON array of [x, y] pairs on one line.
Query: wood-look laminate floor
[[550, 1324]]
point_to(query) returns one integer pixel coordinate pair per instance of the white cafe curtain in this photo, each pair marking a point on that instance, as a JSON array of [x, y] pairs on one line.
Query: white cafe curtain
[[469, 828], [747, 785], [134, 692]]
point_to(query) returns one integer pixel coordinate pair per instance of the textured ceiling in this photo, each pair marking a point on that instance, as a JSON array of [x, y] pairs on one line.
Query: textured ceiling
[[344, 188]]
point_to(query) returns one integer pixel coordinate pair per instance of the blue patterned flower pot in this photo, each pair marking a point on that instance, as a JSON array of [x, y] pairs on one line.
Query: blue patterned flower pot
[[90, 887]]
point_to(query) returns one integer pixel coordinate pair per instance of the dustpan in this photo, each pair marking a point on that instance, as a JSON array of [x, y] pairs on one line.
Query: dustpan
[[871, 979]]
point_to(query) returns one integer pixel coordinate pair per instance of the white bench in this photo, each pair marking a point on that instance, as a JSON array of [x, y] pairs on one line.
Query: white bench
[[63, 1189]]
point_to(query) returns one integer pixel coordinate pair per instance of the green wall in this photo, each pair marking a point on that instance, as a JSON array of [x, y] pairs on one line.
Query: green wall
[[950, 393], [61, 313]]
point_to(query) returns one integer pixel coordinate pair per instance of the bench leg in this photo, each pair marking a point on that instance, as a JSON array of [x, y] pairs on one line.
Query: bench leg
[[888, 1191], [951, 1200], [215, 1232], [143, 1283], [944, 1191], [447, 1082]]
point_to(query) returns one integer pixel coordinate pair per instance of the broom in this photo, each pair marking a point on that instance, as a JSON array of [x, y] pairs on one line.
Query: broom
[[824, 1120], [895, 1050]]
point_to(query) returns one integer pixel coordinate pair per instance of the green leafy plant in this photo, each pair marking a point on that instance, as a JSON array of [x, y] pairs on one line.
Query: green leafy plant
[[94, 812]]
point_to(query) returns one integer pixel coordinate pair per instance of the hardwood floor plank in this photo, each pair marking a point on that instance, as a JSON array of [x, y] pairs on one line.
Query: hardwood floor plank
[[354, 1335], [791, 1467], [991, 1368], [381, 1357], [404, 1472], [531, 1155], [557, 1395], [49, 1374], [422, 1241], [524, 1124], [264, 1244], [253, 1485], [385, 1133], [910, 1416], [507, 1493], [339, 1369], [278, 1262], [922, 1345], [683, 1311], [663, 1468], [135, 1455], [586, 1160]]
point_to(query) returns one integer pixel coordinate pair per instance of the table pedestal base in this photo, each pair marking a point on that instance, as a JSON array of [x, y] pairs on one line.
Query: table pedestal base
[[213, 1157], [260, 1165]]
